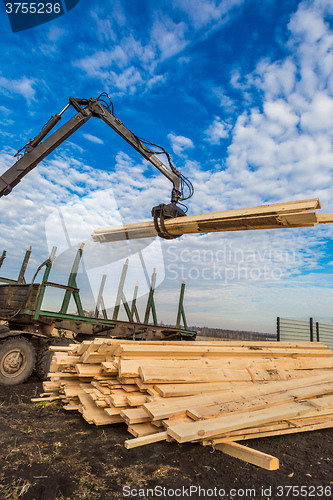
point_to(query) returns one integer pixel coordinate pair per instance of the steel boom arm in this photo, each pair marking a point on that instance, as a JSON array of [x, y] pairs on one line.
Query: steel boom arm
[[36, 151]]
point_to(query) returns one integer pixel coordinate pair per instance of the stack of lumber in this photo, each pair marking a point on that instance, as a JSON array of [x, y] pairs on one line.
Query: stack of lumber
[[279, 215], [215, 393]]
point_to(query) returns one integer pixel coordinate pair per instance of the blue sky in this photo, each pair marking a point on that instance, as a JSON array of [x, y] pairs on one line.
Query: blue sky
[[240, 92]]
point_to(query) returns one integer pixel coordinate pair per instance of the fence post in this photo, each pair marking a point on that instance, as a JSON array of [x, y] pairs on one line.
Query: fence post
[[317, 331], [278, 329], [311, 329]]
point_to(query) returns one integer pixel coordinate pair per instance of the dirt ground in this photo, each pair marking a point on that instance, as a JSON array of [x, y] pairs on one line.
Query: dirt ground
[[49, 453]]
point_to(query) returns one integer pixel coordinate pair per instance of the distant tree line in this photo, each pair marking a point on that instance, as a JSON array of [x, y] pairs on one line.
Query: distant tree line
[[222, 333]]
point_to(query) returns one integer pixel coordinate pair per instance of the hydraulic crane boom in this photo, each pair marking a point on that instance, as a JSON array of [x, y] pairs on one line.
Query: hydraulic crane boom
[[36, 150]]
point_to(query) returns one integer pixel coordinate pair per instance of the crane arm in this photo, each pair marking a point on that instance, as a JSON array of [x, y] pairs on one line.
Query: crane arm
[[36, 150]]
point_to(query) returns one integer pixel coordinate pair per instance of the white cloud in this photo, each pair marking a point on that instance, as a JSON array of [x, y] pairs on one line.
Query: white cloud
[[169, 36], [205, 12], [179, 143], [319, 114], [93, 138], [134, 62], [282, 149], [217, 130], [22, 86]]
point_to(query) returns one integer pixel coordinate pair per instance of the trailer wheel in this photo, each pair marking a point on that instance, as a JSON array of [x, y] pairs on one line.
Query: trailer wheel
[[44, 357], [17, 360]]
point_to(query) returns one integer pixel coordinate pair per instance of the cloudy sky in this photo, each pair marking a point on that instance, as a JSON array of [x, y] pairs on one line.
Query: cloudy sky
[[240, 92]]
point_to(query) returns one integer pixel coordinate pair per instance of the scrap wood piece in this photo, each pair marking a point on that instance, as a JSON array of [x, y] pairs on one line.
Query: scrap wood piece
[[292, 214], [249, 455]]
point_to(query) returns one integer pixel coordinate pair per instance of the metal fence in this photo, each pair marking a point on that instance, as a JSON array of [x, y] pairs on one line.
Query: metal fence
[[292, 330], [325, 334]]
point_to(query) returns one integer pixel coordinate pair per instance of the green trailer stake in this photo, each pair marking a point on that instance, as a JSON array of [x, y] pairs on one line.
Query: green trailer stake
[[27, 329]]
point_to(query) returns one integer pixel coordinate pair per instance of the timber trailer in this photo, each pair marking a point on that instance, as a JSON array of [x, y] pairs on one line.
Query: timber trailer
[[27, 330]]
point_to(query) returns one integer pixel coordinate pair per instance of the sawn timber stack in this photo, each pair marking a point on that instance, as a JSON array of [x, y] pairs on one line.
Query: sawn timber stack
[[280, 215], [213, 393]]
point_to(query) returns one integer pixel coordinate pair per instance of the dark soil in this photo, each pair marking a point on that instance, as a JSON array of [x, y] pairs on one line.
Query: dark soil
[[49, 453]]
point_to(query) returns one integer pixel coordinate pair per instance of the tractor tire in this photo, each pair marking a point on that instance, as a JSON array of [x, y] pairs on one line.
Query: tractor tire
[[17, 360], [44, 357]]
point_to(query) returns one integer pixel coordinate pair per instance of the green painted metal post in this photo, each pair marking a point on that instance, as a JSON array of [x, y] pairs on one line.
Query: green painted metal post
[[47, 271], [2, 258], [151, 303], [100, 301], [105, 316], [120, 291], [134, 309], [127, 309], [72, 283], [181, 311], [20, 278]]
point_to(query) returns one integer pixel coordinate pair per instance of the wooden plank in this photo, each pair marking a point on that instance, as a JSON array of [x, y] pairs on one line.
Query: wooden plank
[[208, 428], [135, 416], [260, 402], [130, 367], [92, 357], [100, 387], [61, 348], [307, 420], [166, 407], [211, 351], [139, 430], [267, 216], [135, 399], [110, 367], [142, 441], [60, 359], [155, 375], [113, 342], [195, 375], [92, 413], [88, 370], [41, 399], [114, 411], [180, 390], [325, 218], [176, 420], [249, 455], [277, 430]]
